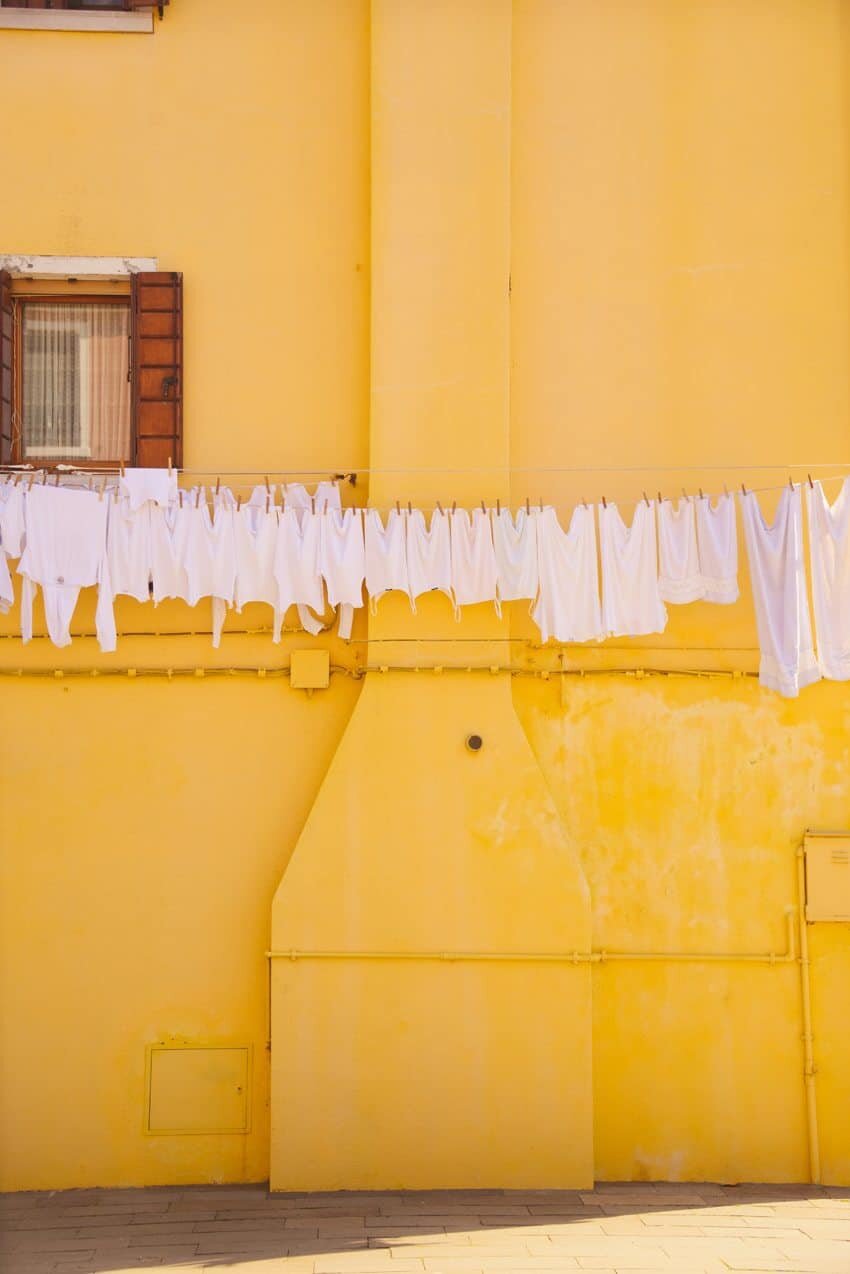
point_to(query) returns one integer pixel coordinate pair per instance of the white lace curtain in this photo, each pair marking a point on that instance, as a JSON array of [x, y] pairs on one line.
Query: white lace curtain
[[76, 395]]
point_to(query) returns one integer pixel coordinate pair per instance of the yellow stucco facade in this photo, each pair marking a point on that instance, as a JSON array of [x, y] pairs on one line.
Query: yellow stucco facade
[[481, 249]]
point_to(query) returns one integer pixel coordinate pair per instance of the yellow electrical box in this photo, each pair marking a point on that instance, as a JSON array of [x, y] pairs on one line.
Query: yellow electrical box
[[310, 670], [198, 1088], [827, 875]]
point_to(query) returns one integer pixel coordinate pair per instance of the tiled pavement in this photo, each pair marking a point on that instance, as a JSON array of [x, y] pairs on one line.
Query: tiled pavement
[[244, 1230]]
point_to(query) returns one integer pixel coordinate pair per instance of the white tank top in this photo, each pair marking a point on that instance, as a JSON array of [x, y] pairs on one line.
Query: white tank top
[[296, 564], [631, 602], [255, 540], [679, 576], [386, 556], [473, 559], [717, 545], [515, 543], [128, 548], [829, 558], [778, 576], [567, 606], [429, 555]]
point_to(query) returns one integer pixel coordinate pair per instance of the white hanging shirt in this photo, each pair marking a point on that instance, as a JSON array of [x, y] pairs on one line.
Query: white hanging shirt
[[342, 562], [679, 576], [182, 552], [12, 519], [717, 546], [7, 592], [296, 566], [429, 555], [141, 485], [631, 602], [386, 556], [567, 606], [829, 558], [66, 551], [326, 496], [255, 539], [515, 545], [473, 559], [128, 548], [223, 591], [777, 572]]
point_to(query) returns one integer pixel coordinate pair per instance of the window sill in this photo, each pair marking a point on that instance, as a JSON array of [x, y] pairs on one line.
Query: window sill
[[59, 20]]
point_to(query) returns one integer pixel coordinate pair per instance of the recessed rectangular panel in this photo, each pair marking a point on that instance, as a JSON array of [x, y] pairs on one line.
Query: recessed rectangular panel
[[827, 876], [198, 1089]]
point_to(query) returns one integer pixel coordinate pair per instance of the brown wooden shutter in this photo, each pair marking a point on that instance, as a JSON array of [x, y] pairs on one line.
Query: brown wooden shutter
[[7, 322], [157, 370]]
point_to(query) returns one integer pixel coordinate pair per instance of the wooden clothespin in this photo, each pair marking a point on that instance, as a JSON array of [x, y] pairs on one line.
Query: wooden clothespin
[[584, 502], [102, 489], [169, 466], [483, 507], [121, 467], [440, 507], [743, 489], [56, 476], [198, 498], [684, 493], [32, 480], [268, 488], [217, 485], [604, 503], [268, 501], [397, 507], [180, 497], [541, 504], [701, 496], [790, 482], [44, 477], [646, 499], [811, 484], [498, 505], [88, 481], [527, 506], [659, 497], [725, 489], [409, 507], [312, 504], [454, 506], [238, 503]]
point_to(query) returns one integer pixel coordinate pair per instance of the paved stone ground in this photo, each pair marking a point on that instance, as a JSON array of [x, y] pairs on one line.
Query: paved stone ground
[[244, 1230]]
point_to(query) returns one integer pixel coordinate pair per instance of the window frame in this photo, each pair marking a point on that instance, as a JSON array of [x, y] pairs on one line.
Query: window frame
[[37, 297]]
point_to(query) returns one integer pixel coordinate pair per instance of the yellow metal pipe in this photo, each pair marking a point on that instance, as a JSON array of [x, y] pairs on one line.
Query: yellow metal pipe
[[809, 1069]]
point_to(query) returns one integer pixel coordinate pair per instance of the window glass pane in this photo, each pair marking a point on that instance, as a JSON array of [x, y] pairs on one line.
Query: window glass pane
[[75, 390]]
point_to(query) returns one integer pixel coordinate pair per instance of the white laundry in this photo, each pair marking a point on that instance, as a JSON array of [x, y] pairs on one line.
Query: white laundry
[[717, 547], [829, 558], [473, 559], [515, 545], [255, 540], [679, 576], [429, 554], [386, 555], [7, 592], [296, 566], [128, 548], [12, 518], [326, 496], [631, 603], [141, 485], [182, 552], [222, 534], [66, 551], [342, 562], [567, 606], [777, 572]]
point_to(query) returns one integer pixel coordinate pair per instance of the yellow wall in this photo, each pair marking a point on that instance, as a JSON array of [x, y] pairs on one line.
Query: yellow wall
[[665, 181]]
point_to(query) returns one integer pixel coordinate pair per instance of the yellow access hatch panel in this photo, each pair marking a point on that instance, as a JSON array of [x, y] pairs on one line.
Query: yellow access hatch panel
[[827, 875], [198, 1088]]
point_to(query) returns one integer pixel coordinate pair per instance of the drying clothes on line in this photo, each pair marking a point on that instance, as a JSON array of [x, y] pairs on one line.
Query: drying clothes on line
[[679, 575], [567, 606], [223, 592], [473, 559], [255, 538], [386, 556], [778, 577], [128, 548], [429, 554], [326, 496], [65, 552], [139, 486], [515, 546], [829, 560], [717, 545], [342, 562], [631, 602], [296, 567]]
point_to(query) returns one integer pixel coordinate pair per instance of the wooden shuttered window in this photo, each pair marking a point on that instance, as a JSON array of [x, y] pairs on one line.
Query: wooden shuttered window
[[7, 363], [157, 368], [83, 5]]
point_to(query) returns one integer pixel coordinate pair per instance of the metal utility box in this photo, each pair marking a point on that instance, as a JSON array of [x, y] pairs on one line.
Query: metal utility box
[[310, 669], [198, 1088], [827, 875]]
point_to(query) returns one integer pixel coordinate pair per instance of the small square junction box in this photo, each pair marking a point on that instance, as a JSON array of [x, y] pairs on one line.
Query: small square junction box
[[827, 875], [198, 1088], [310, 669]]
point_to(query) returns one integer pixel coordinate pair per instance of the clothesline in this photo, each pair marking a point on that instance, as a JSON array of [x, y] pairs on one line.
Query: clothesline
[[146, 540], [341, 474]]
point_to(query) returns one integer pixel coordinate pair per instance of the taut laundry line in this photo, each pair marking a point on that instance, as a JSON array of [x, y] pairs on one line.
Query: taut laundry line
[[341, 475]]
